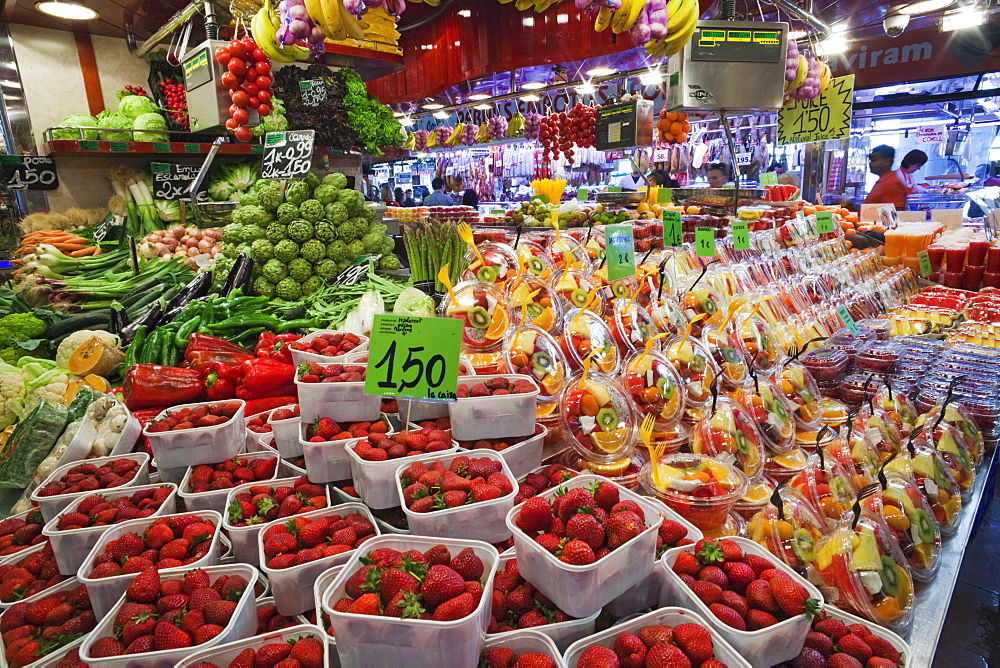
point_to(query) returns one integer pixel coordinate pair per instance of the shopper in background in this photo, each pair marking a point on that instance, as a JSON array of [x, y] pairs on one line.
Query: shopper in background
[[469, 196], [717, 175], [438, 198], [912, 162], [660, 178], [408, 199], [632, 181], [398, 194], [888, 189]]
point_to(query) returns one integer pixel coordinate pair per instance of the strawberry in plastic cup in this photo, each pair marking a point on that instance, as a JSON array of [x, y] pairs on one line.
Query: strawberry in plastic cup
[[654, 386], [700, 489], [532, 352], [793, 535], [828, 486], [485, 313], [598, 416], [909, 517], [729, 434]]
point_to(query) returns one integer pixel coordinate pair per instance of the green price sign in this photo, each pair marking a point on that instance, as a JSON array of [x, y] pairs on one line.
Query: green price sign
[[769, 179], [161, 147], [663, 196], [89, 145], [614, 189], [741, 235], [192, 148], [925, 263], [672, 233], [414, 357], [620, 250], [848, 321], [824, 222], [119, 146], [704, 241], [582, 194]]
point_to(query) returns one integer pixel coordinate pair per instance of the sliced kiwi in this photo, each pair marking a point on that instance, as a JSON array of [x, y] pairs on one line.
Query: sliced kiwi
[[804, 545], [698, 364], [665, 388], [535, 265], [709, 306], [541, 361], [889, 575], [487, 274], [607, 418], [478, 317], [924, 524], [619, 289], [731, 356], [534, 310], [839, 488], [941, 475], [778, 409], [741, 443], [578, 297]]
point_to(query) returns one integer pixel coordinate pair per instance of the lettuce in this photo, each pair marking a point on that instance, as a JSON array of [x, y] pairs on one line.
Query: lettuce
[[413, 302], [134, 106], [150, 121], [76, 120], [107, 119]]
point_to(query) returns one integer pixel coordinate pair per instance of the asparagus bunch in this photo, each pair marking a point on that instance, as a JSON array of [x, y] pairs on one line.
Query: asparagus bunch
[[431, 244]]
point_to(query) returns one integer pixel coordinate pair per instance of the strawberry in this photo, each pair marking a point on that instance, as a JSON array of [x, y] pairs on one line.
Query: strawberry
[[309, 652], [573, 501], [141, 625], [831, 627], [686, 563], [671, 532], [455, 608], [809, 658], [667, 655], [630, 649], [535, 515], [881, 647], [728, 616], [441, 583], [598, 657], [395, 581], [855, 646], [735, 601], [819, 642], [497, 657], [879, 662], [37, 611], [842, 660], [206, 632], [578, 553], [168, 636], [367, 604], [793, 598], [106, 647], [654, 635], [716, 575], [695, 640], [759, 619], [622, 527], [758, 594], [739, 574], [145, 587], [585, 527], [708, 592], [437, 555], [468, 565], [218, 612], [199, 597]]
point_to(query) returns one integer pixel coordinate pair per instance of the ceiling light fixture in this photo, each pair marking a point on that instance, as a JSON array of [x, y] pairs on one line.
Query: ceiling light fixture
[[465, 13], [533, 85], [441, 114], [531, 97], [406, 122], [586, 89], [651, 78], [924, 6], [967, 17], [835, 43], [601, 71], [483, 107], [797, 34], [63, 9], [478, 96], [432, 106]]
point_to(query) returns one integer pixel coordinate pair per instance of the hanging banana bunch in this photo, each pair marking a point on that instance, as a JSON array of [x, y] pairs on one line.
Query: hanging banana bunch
[[681, 21], [264, 29]]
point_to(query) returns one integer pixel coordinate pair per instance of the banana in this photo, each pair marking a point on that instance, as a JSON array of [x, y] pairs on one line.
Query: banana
[[675, 42], [334, 19], [455, 135], [411, 141], [621, 15], [315, 10], [263, 34], [432, 141], [824, 77], [516, 126], [603, 20], [800, 75], [677, 15], [481, 135], [634, 12], [355, 28], [522, 5]]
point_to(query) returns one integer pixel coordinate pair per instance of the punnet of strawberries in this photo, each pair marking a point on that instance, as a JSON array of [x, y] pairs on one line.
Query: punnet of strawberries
[[831, 643], [87, 477], [504, 657], [34, 629], [582, 525], [29, 575], [301, 540], [745, 591], [300, 652], [498, 444], [230, 473], [167, 542], [381, 447], [517, 604], [203, 415], [269, 620], [284, 413], [536, 482], [171, 612], [258, 424], [329, 345], [429, 585], [98, 510], [431, 486], [311, 372], [494, 387], [20, 533], [655, 646], [263, 503], [323, 430]]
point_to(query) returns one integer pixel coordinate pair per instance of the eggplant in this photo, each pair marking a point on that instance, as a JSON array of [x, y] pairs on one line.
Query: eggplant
[[150, 317], [119, 318], [197, 287], [239, 275]]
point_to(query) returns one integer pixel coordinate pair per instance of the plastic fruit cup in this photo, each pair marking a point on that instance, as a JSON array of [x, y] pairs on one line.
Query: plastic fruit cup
[[655, 388], [977, 252], [544, 310], [728, 352], [730, 434], [801, 394], [755, 499], [501, 263], [700, 489], [597, 415], [910, 519], [973, 276], [584, 334], [533, 352], [762, 346], [828, 486], [632, 328], [667, 315], [794, 538], [573, 286], [767, 406], [485, 313], [951, 279], [697, 369], [954, 259]]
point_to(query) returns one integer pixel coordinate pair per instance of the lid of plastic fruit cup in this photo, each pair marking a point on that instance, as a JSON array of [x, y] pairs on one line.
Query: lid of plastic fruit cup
[[904, 485], [485, 311], [803, 386], [741, 445], [699, 393], [546, 362], [778, 432], [552, 321], [585, 282], [808, 529], [500, 259], [728, 348], [760, 343], [667, 314], [568, 248], [667, 404], [733, 478], [843, 491], [610, 433], [592, 327], [641, 329]]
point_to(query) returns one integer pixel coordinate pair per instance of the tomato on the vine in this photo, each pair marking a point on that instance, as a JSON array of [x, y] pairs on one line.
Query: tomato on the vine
[[264, 96], [263, 109], [229, 80], [264, 82], [250, 88], [243, 133], [237, 67], [252, 102], [241, 116], [231, 124], [240, 98], [261, 57], [263, 68], [222, 55], [238, 50]]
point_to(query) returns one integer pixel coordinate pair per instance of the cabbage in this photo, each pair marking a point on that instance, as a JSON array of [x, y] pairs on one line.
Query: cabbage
[[75, 120], [168, 211], [134, 106], [413, 302], [108, 119], [151, 121]]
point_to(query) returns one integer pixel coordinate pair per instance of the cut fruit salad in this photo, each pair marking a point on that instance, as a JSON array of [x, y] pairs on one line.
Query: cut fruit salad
[[767, 406], [828, 486], [534, 260], [532, 352], [631, 325], [727, 351], [484, 311], [654, 386], [598, 416], [542, 305], [501, 263], [909, 517], [701, 489], [575, 288], [928, 469], [696, 367], [794, 534], [585, 334], [729, 434]]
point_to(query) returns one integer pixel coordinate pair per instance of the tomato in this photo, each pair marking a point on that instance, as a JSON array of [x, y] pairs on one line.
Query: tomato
[[251, 73], [231, 124], [263, 109], [222, 55], [252, 102], [264, 96], [241, 116], [250, 88], [243, 134], [249, 45], [240, 99], [264, 82], [229, 80], [261, 57], [237, 50], [237, 67], [263, 68]]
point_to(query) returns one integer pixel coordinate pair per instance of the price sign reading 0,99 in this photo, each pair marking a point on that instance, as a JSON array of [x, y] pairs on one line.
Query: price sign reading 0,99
[[414, 357], [287, 155]]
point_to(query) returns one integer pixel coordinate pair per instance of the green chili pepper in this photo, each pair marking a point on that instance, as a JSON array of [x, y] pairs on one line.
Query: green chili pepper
[[249, 334], [239, 321], [303, 323], [151, 350], [168, 352], [185, 331], [135, 347]]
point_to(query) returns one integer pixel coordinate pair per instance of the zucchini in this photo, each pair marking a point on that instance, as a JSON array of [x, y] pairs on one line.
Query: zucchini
[[78, 321], [30, 443]]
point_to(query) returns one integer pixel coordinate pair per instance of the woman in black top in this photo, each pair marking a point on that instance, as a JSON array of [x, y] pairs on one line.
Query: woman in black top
[[469, 197]]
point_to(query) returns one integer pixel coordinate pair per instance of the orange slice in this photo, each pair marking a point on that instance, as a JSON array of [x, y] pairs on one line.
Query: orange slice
[[545, 320], [498, 324], [610, 441], [795, 459]]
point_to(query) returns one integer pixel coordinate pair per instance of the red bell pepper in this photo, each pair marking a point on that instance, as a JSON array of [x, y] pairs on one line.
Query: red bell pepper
[[221, 380], [264, 377], [206, 342], [275, 346], [255, 406], [148, 385]]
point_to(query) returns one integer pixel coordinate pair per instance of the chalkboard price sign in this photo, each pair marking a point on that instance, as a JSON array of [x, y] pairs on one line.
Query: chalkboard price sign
[[287, 155], [313, 92], [29, 172], [171, 182]]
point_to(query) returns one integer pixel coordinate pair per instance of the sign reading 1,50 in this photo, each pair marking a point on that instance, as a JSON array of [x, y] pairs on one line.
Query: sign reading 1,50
[[297, 158], [813, 118], [432, 371]]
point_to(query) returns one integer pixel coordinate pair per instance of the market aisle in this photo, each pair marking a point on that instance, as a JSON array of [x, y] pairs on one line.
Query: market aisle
[[971, 634]]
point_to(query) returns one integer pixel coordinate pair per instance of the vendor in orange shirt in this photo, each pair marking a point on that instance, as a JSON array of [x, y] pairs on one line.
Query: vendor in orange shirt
[[889, 189]]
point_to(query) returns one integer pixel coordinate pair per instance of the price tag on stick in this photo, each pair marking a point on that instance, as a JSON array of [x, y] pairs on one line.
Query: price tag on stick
[[411, 357], [848, 321], [824, 222], [287, 155], [29, 172], [925, 263], [741, 236], [672, 232], [110, 222], [704, 240], [619, 248], [313, 92]]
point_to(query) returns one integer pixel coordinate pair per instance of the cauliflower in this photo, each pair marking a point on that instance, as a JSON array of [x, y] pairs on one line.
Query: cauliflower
[[337, 250], [287, 213], [355, 248], [288, 289], [264, 287], [326, 194], [311, 285], [389, 262], [286, 250], [300, 230], [337, 180], [276, 232], [297, 192], [372, 242], [74, 340], [270, 196], [274, 271], [253, 232], [43, 380], [313, 250], [300, 269], [327, 268], [325, 232], [262, 250], [20, 327], [312, 210], [232, 233], [11, 394], [336, 213]]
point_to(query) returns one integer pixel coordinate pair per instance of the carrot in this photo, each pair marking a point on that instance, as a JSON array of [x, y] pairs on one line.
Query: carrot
[[97, 250], [83, 252], [68, 248]]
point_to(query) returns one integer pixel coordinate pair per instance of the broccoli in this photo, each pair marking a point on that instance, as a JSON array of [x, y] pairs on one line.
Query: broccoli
[[288, 289], [270, 196], [232, 233], [372, 242], [355, 248], [326, 194], [325, 232], [275, 270], [250, 215], [253, 232], [261, 250], [311, 284], [313, 250], [249, 199], [327, 268], [297, 192], [336, 179], [287, 213], [388, 245], [300, 230], [312, 181], [264, 287], [20, 327], [312, 210], [389, 262], [300, 269], [277, 232], [286, 250], [337, 250], [336, 213]]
